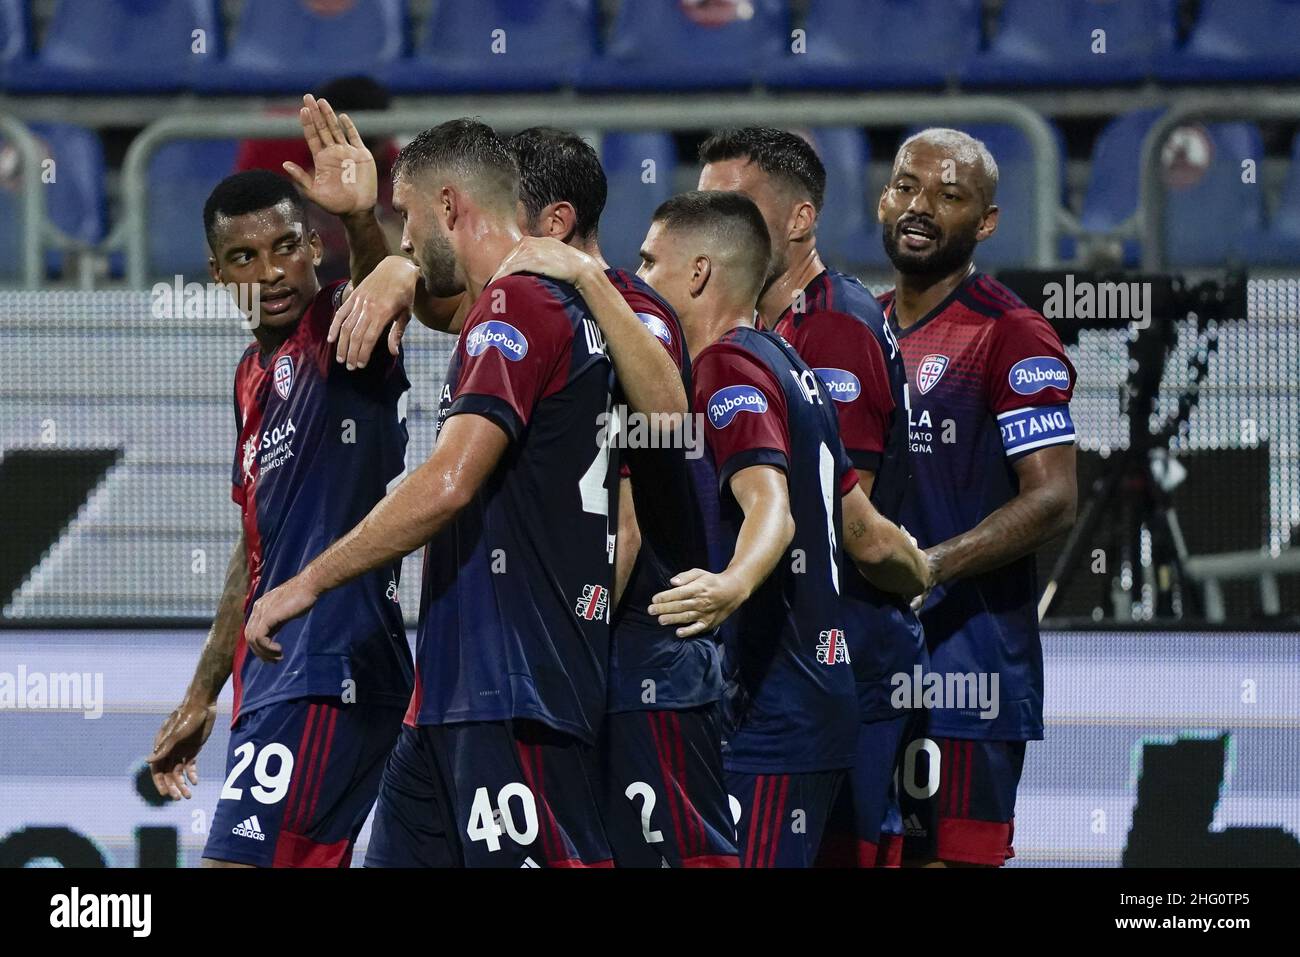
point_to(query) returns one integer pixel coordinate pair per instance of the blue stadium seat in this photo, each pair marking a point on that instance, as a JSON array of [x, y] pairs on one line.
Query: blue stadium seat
[[1238, 40], [632, 200], [288, 46], [1014, 243], [181, 175], [1051, 44], [74, 200], [121, 46], [544, 43], [1279, 243], [848, 235], [74, 195], [14, 33], [879, 44], [688, 44], [1209, 212]]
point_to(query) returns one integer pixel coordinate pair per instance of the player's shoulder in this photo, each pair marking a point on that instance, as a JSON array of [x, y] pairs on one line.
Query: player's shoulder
[[847, 295], [651, 308], [526, 298]]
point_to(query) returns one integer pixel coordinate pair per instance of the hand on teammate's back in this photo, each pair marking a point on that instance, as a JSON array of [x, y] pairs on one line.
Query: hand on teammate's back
[[383, 298], [282, 603], [700, 601], [176, 748], [344, 179]]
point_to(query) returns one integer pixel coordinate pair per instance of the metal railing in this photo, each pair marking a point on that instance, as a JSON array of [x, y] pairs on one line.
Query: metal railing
[[32, 198], [615, 113], [1151, 193]]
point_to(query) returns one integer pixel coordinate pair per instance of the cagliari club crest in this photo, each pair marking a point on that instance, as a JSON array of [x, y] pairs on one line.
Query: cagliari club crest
[[283, 376], [930, 371]]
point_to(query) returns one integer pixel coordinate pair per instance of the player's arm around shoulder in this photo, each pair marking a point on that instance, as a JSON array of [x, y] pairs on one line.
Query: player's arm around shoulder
[[649, 376]]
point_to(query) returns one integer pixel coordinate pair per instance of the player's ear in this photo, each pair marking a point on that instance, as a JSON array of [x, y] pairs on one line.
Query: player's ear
[[880, 204], [214, 270], [558, 221], [317, 248], [805, 217], [701, 270], [988, 224], [448, 206]]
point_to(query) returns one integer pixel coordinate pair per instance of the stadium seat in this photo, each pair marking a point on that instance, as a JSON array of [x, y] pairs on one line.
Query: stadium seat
[[181, 174], [1051, 44], [74, 199], [1279, 243], [293, 45], [542, 43], [1245, 40], [634, 193], [1209, 212], [14, 31], [121, 46], [879, 44], [688, 44], [848, 235], [1014, 243]]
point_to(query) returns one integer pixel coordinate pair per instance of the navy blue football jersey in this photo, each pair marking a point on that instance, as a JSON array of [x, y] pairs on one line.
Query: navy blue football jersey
[[992, 384], [789, 703], [514, 615], [839, 329], [650, 668], [318, 447]]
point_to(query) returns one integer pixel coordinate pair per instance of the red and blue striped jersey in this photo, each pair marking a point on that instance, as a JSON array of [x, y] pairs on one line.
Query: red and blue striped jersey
[[789, 703], [838, 328], [990, 384], [317, 448], [650, 668], [515, 605]]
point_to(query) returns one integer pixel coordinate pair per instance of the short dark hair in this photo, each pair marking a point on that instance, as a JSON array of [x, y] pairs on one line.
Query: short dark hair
[[778, 153], [248, 192], [467, 147], [732, 217], [559, 166]]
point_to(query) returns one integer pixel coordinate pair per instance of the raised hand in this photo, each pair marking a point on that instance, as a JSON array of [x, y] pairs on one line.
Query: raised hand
[[344, 179]]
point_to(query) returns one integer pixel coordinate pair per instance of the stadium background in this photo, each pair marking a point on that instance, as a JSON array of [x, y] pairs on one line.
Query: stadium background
[[1151, 135]]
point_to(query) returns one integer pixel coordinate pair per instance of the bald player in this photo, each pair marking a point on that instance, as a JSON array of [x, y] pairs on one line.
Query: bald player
[[838, 329], [788, 495], [993, 479]]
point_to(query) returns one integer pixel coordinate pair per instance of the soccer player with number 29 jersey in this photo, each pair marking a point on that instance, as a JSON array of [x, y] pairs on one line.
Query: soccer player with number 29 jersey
[[993, 478]]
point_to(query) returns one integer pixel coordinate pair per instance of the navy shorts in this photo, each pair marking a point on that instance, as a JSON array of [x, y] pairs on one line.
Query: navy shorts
[[665, 800], [488, 794], [866, 826], [781, 818], [959, 799], [301, 777]]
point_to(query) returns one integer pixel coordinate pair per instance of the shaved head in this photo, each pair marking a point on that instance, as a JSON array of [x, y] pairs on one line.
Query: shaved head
[[962, 148]]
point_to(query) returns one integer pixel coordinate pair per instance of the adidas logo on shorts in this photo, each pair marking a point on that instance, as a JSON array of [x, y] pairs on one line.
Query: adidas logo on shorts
[[249, 827], [912, 826]]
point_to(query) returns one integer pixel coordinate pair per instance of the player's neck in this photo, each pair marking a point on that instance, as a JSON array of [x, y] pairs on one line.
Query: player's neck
[[776, 299], [717, 323], [271, 338], [916, 294], [491, 243], [592, 249]]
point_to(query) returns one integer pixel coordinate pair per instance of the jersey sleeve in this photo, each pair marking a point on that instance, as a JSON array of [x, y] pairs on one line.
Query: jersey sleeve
[[659, 321], [851, 367], [514, 350], [1029, 383], [743, 410]]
